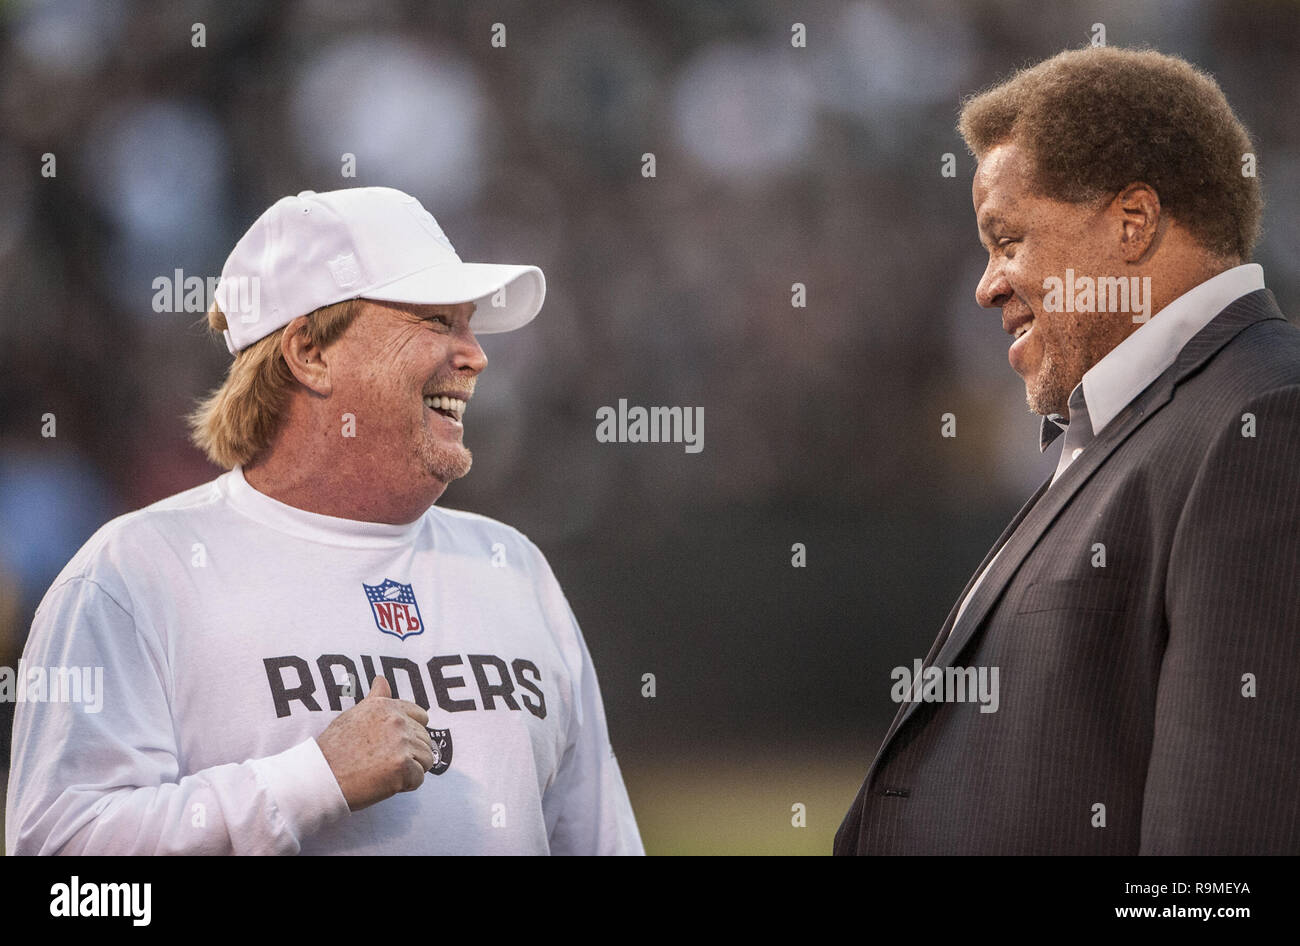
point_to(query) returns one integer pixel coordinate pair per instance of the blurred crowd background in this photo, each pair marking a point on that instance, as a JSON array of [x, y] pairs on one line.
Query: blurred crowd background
[[774, 165]]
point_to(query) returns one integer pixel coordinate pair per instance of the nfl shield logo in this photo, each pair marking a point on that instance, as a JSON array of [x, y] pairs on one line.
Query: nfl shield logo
[[441, 739], [394, 609], [345, 270]]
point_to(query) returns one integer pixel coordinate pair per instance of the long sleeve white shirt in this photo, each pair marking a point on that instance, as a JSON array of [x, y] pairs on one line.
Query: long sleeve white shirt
[[231, 629]]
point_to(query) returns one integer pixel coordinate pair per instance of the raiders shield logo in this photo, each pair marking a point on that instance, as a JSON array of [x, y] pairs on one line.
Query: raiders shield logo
[[441, 749]]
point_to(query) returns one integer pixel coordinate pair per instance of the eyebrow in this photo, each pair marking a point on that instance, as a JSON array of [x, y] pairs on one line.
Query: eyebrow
[[447, 308], [990, 220]]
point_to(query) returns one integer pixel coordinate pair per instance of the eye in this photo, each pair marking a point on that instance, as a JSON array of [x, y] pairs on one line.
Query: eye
[[1007, 246], [440, 320]]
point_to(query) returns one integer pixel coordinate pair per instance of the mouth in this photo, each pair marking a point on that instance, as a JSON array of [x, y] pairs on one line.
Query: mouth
[[1021, 331], [450, 407]]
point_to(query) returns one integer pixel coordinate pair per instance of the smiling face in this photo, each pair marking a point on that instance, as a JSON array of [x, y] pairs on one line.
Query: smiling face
[[407, 372], [1029, 238]]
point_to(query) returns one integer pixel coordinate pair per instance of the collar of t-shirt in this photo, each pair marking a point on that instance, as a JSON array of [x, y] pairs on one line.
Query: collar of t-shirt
[[314, 527], [1128, 368]]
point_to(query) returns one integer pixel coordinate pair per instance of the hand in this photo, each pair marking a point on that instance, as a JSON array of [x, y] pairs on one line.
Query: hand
[[378, 748]]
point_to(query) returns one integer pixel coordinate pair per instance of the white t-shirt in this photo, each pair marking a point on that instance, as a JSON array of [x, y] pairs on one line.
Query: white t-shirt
[[227, 626]]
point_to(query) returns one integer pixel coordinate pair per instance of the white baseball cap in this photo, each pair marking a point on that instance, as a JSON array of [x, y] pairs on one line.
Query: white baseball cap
[[378, 243]]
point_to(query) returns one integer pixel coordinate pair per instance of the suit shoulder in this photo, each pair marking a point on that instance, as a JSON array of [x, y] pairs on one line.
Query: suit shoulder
[[1267, 353], [1262, 358]]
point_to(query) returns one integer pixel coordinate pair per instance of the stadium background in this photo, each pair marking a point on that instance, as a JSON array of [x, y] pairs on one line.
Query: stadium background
[[774, 165]]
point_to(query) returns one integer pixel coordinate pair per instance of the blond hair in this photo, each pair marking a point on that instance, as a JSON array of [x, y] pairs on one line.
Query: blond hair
[[237, 421]]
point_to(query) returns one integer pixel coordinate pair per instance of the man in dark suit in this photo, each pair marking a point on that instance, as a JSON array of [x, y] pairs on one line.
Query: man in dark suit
[[1140, 617]]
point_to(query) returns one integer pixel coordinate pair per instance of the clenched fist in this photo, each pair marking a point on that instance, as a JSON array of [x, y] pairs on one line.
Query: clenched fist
[[378, 747]]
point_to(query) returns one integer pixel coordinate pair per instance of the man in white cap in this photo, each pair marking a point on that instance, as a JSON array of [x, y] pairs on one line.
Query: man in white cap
[[305, 655]]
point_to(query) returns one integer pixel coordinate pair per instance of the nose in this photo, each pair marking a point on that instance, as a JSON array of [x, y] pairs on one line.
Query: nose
[[994, 289], [468, 355]]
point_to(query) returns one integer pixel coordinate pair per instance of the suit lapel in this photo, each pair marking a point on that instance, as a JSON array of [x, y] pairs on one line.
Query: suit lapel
[[906, 708], [1002, 540], [1033, 520], [1044, 513]]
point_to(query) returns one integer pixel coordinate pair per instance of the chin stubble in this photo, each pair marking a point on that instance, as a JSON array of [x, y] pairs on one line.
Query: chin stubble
[[1048, 394], [442, 461], [1056, 379], [446, 463]]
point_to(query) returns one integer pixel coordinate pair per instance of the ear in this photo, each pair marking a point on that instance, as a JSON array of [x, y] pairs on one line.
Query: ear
[[305, 359], [1138, 209]]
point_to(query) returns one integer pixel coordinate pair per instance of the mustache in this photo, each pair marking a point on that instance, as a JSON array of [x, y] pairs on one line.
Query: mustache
[[450, 387]]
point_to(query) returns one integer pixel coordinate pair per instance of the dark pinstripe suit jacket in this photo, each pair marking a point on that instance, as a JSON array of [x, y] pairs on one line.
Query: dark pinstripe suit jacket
[[1125, 686]]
